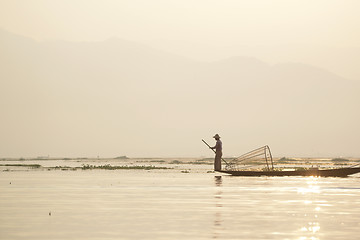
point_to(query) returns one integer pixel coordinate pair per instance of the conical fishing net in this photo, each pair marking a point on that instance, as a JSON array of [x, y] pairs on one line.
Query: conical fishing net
[[260, 158]]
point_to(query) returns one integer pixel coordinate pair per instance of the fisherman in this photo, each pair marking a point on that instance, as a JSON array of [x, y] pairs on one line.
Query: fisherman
[[218, 153]]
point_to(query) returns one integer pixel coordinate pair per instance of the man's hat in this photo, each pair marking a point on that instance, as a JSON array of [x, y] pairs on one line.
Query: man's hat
[[216, 136]]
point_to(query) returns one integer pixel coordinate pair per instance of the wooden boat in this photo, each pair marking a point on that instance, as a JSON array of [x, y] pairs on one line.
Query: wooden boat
[[263, 156], [335, 172]]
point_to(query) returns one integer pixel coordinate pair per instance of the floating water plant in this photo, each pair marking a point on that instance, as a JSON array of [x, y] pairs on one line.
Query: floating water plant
[[22, 165], [109, 167], [286, 160], [176, 162], [340, 160], [158, 161], [200, 163]]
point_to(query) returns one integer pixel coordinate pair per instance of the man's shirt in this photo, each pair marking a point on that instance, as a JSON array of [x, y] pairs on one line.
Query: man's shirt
[[218, 146]]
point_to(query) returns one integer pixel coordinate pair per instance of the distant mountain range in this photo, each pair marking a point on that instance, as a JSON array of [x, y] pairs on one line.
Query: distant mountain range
[[120, 97], [342, 61]]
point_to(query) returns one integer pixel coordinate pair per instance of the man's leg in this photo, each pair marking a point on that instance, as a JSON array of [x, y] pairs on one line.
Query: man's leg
[[218, 161]]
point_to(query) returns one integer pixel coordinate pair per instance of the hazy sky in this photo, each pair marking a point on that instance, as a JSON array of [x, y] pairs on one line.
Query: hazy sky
[[323, 33], [320, 33], [212, 22]]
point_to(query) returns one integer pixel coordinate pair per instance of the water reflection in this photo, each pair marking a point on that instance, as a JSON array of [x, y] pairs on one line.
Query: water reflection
[[311, 186], [311, 226], [168, 204], [218, 181], [218, 206]]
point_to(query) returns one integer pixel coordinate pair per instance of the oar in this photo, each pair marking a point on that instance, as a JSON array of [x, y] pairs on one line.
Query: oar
[[213, 150]]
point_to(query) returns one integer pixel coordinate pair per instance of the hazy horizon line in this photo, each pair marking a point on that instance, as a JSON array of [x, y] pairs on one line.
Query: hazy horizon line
[[167, 157]]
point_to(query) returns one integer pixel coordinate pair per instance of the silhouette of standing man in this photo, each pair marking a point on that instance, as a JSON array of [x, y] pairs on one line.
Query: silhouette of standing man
[[218, 153]]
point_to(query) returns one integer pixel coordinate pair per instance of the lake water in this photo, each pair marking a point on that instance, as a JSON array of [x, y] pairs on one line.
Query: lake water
[[171, 204]]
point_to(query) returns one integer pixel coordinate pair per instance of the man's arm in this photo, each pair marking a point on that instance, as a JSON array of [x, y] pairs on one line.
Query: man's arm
[[214, 147]]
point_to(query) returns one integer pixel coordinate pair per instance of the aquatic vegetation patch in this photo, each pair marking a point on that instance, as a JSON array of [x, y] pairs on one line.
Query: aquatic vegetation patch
[[84, 167], [109, 167], [341, 164], [205, 159], [197, 162], [21, 165], [64, 168], [286, 160], [176, 162], [158, 161], [200, 163], [340, 160]]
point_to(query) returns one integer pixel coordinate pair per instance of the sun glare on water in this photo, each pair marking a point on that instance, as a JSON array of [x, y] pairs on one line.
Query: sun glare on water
[[311, 188]]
